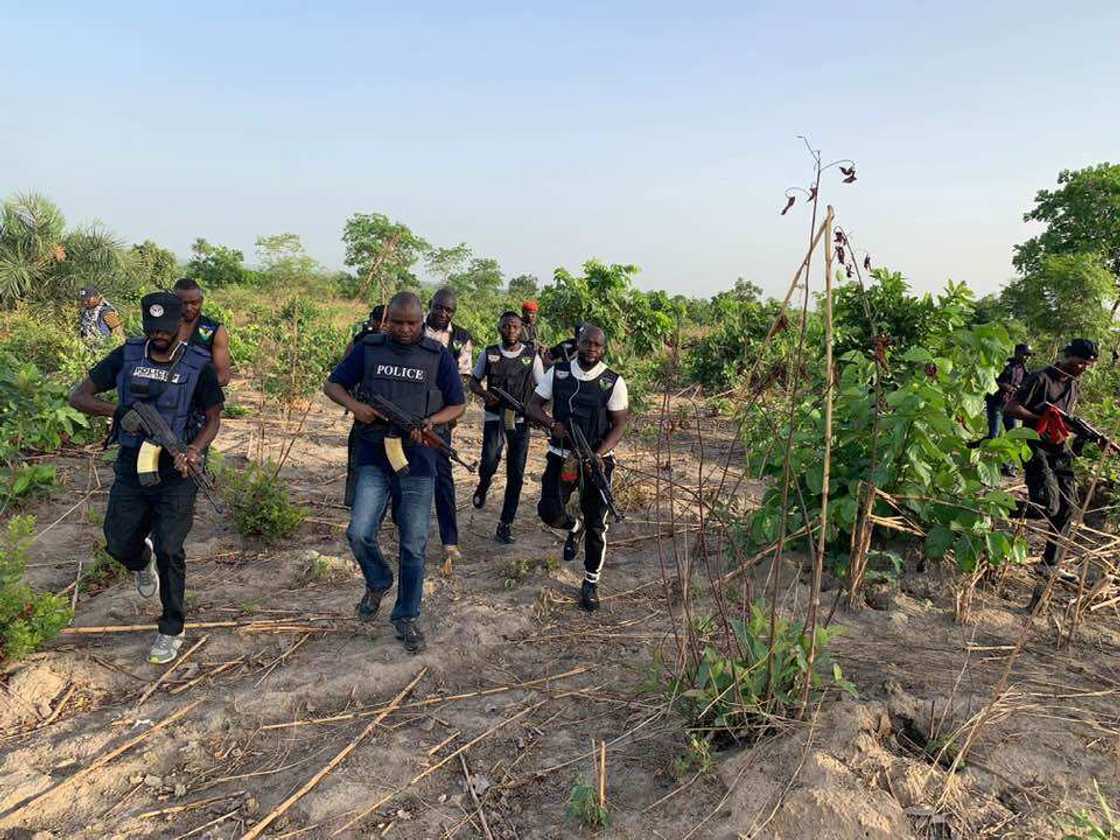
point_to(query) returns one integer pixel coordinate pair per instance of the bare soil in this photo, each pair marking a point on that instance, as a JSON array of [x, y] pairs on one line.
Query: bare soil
[[282, 694]]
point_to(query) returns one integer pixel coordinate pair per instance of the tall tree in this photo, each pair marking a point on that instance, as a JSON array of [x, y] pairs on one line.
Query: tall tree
[[216, 265], [442, 263], [1082, 215], [283, 258], [483, 277], [524, 286], [156, 267], [1067, 296], [381, 252]]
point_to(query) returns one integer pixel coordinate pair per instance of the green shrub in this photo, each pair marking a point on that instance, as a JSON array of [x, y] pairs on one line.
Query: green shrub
[[584, 807], [25, 481], [1085, 825], [729, 691], [34, 412], [259, 500], [27, 620], [102, 571]]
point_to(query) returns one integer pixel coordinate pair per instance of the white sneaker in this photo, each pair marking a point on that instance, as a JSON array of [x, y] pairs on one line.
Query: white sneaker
[[147, 579], [165, 649]]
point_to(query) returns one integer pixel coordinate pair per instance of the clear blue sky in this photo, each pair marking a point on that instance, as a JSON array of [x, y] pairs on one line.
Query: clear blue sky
[[658, 134]]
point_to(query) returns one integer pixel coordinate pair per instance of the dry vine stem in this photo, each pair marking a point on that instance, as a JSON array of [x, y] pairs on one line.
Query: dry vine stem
[[280, 809]]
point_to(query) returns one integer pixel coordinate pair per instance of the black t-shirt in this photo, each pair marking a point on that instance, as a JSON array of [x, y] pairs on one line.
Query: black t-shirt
[[1048, 385], [207, 394]]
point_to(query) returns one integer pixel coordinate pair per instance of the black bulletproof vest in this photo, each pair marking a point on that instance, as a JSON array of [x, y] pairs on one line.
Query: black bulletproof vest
[[403, 374], [582, 403], [170, 386], [204, 331], [514, 375], [459, 339]]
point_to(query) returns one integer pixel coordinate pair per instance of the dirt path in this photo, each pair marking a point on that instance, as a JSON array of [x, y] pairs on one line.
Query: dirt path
[[275, 703]]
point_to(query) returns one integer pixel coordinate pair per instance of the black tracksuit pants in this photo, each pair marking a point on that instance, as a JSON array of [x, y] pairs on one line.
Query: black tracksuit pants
[[495, 436], [552, 510], [1052, 488], [166, 511]]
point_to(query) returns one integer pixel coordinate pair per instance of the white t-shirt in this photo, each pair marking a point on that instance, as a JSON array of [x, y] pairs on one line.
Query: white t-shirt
[[479, 373], [619, 399]]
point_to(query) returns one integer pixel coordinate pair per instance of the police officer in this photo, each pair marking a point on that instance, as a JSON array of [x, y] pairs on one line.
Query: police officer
[[1007, 384], [514, 366], [419, 376], [439, 327], [583, 392], [1049, 472], [566, 350], [201, 331], [97, 318], [181, 382]]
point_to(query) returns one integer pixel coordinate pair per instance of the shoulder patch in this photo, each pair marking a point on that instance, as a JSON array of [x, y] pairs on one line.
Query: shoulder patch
[[493, 358], [562, 374], [526, 361], [606, 382]]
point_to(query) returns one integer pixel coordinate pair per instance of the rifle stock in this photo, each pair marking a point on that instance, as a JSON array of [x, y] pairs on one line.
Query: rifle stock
[[591, 464]]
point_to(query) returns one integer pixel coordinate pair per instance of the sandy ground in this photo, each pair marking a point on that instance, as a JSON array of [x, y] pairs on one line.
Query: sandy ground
[[260, 709]]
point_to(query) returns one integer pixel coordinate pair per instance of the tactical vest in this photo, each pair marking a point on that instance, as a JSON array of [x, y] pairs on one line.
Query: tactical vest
[[169, 386], [403, 374], [459, 339], [204, 332], [583, 403], [514, 375], [91, 322]]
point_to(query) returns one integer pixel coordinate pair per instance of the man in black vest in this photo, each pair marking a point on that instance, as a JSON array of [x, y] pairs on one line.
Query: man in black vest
[[181, 382], [418, 376], [201, 331], [515, 367], [438, 327], [587, 393], [1049, 473]]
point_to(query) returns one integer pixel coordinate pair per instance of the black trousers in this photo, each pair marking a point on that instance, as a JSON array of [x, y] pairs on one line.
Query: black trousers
[[495, 436], [552, 510], [166, 511], [1051, 485]]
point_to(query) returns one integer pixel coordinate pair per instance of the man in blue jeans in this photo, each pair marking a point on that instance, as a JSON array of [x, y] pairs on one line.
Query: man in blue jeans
[[420, 378]]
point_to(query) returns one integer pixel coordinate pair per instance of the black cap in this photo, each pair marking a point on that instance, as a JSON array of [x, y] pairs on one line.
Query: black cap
[[161, 311], [87, 292], [1023, 350], [1082, 348]]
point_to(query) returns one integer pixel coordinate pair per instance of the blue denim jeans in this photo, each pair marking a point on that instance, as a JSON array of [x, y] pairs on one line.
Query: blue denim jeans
[[411, 497]]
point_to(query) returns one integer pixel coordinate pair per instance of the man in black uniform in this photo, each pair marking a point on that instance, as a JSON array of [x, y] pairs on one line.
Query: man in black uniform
[[1049, 472], [439, 327], [515, 367], [201, 331], [179, 380], [587, 393], [418, 376], [1008, 383]]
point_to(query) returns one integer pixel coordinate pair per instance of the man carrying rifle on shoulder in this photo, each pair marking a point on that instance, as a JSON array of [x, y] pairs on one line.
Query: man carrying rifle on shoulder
[[1046, 402], [590, 404], [415, 382], [180, 382], [514, 368]]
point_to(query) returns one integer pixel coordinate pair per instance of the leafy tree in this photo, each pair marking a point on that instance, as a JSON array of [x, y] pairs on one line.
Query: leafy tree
[[442, 263], [155, 267], [483, 277], [217, 265], [381, 252], [1066, 296], [283, 258], [524, 286], [1081, 216]]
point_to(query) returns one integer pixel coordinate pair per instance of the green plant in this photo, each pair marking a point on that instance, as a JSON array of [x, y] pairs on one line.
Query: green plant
[[1085, 825], [27, 619], [259, 501], [101, 572], [34, 412], [24, 481], [731, 690], [584, 806], [232, 409], [696, 758]]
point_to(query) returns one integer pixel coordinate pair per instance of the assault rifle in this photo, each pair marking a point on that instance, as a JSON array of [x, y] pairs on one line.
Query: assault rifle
[[516, 407], [406, 423], [1084, 429], [590, 464], [143, 419]]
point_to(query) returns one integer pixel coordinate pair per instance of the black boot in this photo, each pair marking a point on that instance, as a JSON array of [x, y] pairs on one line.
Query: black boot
[[504, 534], [408, 631], [589, 596], [369, 605]]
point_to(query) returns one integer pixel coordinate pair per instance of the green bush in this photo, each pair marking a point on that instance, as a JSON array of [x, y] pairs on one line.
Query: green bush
[[34, 412], [259, 500], [24, 481], [27, 620], [728, 692]]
